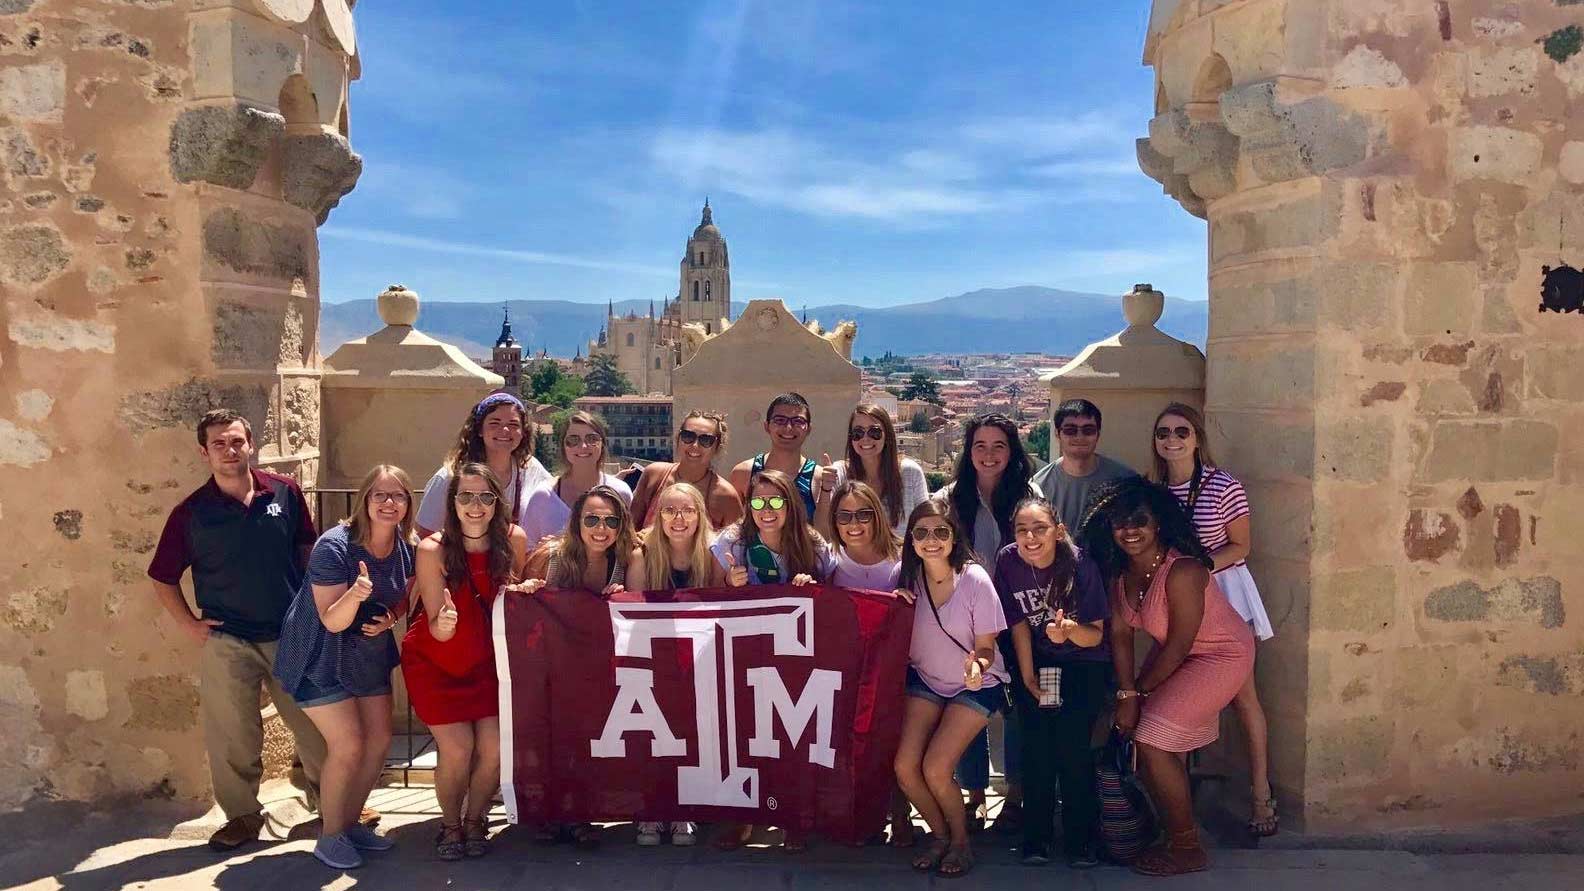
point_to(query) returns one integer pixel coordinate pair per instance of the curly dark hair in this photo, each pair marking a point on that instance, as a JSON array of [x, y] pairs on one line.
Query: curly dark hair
[[1173, 527], [469, 445]]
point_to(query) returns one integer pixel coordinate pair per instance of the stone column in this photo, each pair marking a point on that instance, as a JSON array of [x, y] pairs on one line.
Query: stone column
[[162, 170], [1393, 189], [1131, 376]]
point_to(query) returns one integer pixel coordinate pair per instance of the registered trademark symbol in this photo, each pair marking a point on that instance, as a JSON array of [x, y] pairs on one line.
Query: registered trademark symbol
[[771, 803]]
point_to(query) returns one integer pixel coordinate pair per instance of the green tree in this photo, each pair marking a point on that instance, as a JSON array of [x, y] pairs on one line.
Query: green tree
[[923, 388], [1039, 440], [545, 448], [604, 378], [919, 423], [935, 479], [543, 379]]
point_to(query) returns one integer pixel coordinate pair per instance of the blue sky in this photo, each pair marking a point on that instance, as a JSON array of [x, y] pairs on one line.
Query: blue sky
[[868, 153]]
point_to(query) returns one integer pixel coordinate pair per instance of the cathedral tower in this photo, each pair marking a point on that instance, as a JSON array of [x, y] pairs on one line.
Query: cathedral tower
[[507, 358], [705, 296]]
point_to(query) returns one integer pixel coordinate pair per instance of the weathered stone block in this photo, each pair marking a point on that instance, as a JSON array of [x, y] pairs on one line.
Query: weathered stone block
[[1427, 676], [85, 695], [1537, 600], [246, 336], [33, 92], [1358, 296], [1354, 750], [1302, 222], [1524, 753], [1488, 450], [20, 156], [1269, 449], [1241, 377], [165, 702], [1571, 163], [257, 248], [222, 144], [1383, 391], [1430, 535], [1355, 449], [22, 447], [1440, 299], [1362, 600], [317, 170], [1547, 675], [1503, 70], [1291, 141], [1498, 153], [32, 253], [1365, 66], [181, 405], [41, 329], [34, 610], [1556, 372]]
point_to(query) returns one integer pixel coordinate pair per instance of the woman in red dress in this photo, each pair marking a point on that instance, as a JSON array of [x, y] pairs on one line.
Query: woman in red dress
[[448, 662]]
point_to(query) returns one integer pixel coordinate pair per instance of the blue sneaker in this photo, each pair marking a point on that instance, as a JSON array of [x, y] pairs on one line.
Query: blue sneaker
[[336, 852], [366, 839]]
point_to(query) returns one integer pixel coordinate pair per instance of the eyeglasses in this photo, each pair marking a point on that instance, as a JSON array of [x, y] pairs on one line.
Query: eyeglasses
[[383, 497], [671, 513], [707, 440], [774, 502], [793, 421], [573, 440], [939, 533], [1179, 432], [1136, 520], [1076, 430], [487, 499], [592, 520], [845, 517]]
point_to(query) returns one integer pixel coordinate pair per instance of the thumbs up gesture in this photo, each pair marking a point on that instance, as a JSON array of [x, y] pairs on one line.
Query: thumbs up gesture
[[364, 586], [736, 576], [446, 619], [1059, 628], [825, 476]]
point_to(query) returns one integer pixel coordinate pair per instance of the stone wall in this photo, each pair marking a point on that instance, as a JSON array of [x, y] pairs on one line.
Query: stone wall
[[162, 169], [1387, 184], [767, 352]]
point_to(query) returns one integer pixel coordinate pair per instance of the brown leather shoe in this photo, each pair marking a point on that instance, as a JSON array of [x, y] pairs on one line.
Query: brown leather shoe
[[236, 833], [369, 817]]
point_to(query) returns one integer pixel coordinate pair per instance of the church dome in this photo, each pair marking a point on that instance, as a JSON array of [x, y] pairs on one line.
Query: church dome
[[706, 230]]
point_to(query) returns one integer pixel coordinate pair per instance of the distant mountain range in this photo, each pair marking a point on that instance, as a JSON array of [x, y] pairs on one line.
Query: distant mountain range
[[991, 320]]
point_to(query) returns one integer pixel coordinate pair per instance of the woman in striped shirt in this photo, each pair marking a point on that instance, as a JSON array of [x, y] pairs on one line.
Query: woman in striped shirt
[[1216, 502]]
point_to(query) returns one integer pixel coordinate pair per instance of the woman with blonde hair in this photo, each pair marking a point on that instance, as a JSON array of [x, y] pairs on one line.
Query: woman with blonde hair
[[774, 543], [874, 457], [336, 653], [1219, 508], [448, 660]]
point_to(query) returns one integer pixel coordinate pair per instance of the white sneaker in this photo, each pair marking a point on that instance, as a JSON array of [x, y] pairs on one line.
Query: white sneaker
[[649, 834], [684, 835]]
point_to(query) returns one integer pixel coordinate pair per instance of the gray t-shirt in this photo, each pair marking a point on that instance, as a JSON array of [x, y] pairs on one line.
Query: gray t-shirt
[[1071, 494]]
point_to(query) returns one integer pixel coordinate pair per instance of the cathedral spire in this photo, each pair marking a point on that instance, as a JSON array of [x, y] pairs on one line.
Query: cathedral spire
[[505, 339], [709, 218]]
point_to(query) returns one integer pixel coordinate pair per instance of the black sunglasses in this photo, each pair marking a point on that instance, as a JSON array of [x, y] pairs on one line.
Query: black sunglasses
[[591, 520], [875, 433], [844, 517], [1077, 430], [1179, 432], [707, 440]]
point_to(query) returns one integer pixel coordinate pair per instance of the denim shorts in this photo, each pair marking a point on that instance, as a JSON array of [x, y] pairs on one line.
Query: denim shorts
[[985, 700]]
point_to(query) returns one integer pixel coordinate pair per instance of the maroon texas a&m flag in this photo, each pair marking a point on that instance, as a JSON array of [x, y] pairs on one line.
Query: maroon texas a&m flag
[[773, 704]]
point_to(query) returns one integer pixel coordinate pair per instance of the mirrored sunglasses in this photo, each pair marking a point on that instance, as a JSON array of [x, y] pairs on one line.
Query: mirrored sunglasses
[[592, 520], [487, 499], [774, 502]]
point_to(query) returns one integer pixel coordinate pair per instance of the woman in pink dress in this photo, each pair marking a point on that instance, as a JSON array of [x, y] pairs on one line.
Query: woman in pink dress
[[1159, 579]]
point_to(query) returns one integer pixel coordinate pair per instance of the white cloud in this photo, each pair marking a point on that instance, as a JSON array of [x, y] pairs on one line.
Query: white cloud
[[459, 248]]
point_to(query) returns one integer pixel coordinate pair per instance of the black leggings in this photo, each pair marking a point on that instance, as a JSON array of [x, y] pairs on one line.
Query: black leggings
[[1056, 746]]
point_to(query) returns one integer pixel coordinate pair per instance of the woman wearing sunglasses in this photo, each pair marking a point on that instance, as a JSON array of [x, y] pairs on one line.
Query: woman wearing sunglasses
[[1219, 509], [582, 437], [1160, 581], [673, 552], [956, 679], [874, 458], [699, 442], [1056, 606], [448, 661], [336, 653]]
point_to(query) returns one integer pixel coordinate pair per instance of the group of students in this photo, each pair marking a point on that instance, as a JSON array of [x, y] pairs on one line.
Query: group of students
[[1047, 575]]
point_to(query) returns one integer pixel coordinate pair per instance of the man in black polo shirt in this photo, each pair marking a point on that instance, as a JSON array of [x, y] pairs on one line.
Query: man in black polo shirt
[[245, 535]]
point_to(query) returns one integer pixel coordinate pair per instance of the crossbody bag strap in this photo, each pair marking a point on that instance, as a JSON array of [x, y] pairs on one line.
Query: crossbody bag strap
[[935, 611]]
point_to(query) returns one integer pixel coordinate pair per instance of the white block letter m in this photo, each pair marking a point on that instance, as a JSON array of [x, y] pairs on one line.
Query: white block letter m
[[771, 701]]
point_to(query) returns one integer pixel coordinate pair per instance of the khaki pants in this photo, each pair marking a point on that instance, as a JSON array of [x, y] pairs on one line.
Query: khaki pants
[[230, 673]]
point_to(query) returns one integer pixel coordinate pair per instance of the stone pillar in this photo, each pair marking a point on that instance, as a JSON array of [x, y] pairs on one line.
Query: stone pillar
[[1131, 376], [397, 396], [1393, 189], [162, 170], [764, 353]]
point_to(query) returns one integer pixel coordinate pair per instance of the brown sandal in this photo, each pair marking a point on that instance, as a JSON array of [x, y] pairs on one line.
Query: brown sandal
[[1180, 855], [475, 838], [1264, 826], [930, 860], [956, 863], [449, 844]]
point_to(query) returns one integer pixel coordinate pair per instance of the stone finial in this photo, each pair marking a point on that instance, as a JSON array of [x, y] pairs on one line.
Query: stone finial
[[398, 306], [1142, 306]]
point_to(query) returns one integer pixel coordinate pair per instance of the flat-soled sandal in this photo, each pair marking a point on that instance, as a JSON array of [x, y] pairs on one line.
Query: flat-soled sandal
[[956, 864], [930, 860], [1265, 827], [475, 838], [449, 844], [1171, 860]]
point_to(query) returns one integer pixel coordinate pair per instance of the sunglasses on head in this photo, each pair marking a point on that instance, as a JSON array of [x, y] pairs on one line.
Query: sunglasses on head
[[485, 498], [939, 533], [573, 441], [846, 517], [774, 502], [1135, 520], [592, 520], [1179, 432], [875, 433], [794, 421], [688, 437]]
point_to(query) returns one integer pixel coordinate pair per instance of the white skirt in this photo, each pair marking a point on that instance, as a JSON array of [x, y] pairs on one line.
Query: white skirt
[[1237, 583]]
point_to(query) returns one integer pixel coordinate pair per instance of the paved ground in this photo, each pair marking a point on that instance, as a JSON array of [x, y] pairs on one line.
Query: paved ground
[[159, 847]]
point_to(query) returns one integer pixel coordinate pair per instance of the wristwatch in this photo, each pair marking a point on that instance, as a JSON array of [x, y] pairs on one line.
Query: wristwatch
[[1129, 694]]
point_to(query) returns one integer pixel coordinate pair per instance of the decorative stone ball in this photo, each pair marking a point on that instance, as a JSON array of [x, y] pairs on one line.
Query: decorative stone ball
[[1142, 306], [398, 306]]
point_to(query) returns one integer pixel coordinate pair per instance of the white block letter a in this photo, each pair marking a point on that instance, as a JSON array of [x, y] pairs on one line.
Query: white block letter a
[[635, 709]]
